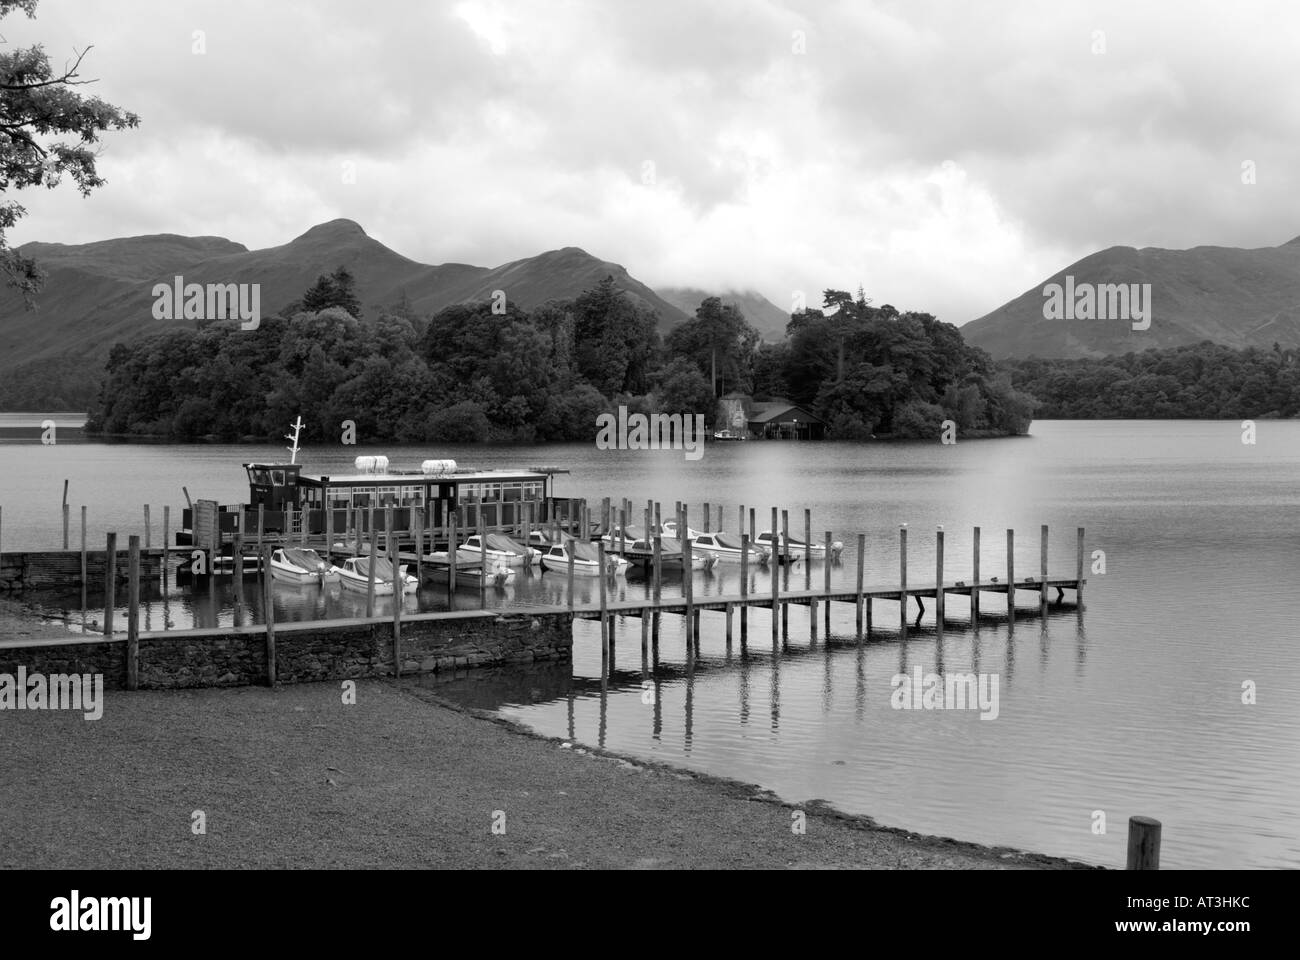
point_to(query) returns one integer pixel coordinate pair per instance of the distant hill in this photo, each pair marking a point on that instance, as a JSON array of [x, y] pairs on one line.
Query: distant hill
[[1230, 296], [763, 315], [99, 293]]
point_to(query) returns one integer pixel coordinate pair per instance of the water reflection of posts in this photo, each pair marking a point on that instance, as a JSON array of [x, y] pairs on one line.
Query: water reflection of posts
[[902, 578], [658, 575], [688, 590], [690, 707], [268, 614], [1078, 575], [602, 576], [110, 583], [133, 614]]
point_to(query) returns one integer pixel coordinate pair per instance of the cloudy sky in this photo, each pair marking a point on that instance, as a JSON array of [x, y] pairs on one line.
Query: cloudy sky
[[946, 156]]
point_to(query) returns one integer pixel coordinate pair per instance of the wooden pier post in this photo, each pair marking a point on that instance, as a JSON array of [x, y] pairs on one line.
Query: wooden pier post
[[938, 579], [1078, 570], [482, 561], [237, 547], [719, 518], [902, 578], [862, 570], [740, 521], [261, 524], [604, 601], [451, 556], [1143, 843], [568, 549], [148, 532], [729, 611], [65, 514], [753, 529], [807, 549], [110, 583], [268, 613], [975, 584], [828, 583], [370, 565], [398, 587], [83, 552], [708, 512], [776, 580], [744, 579], [605, 516], [419, 544], [622, 531], [329, 530], [133, 614], [785, 542], [688, 590], [658, 565], [1042, 566], [1011, 576]]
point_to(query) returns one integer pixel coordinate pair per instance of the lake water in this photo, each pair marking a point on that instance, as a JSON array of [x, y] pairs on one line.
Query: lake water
[[1136, 708]]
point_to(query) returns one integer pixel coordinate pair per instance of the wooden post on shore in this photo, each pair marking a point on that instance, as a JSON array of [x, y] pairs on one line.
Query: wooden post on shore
[[451, 553], [744, 579], [938, 579], [975, 584], [370, 563], [568, 550], [1143, 843], [862, 567], [133, 614], [268, 614], [398, 587], [1042, 569], [776, 581], [1078, 570], [604, 609], [148, 532], [110, 583], [902, 579], [1011, 576], [83, 553]]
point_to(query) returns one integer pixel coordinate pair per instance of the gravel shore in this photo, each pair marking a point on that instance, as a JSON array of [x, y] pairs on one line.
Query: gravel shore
[[294, 777]]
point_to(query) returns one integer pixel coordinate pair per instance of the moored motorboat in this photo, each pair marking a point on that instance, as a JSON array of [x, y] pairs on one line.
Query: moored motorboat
[[726, 548], [790, 548], [299, 565], [586, 560], [355, 575], [499, 548], [499, 573]]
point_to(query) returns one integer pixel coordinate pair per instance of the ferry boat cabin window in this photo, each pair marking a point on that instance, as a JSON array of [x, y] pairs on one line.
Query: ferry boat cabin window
[[277, 478], [361, 496]]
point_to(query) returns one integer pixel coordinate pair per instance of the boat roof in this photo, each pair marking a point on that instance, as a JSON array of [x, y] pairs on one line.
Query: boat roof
[[399, 479]]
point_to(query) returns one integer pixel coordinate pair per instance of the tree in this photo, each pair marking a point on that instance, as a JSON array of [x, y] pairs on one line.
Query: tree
[[720, 342], [36, 103], [332, 290]]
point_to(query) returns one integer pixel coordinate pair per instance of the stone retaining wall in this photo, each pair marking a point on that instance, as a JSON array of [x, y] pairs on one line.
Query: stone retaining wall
[[305, 652]]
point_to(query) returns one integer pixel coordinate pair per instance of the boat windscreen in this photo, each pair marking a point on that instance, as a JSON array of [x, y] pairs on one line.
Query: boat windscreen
[[300, 557]]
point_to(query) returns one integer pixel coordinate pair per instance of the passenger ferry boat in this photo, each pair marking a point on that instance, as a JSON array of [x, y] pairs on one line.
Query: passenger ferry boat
[[290, 503]]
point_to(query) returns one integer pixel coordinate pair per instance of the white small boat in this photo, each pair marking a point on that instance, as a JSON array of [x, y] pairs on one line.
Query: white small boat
[[499, 548], [586, 560], [299, 565], [355, 575], [726, 548], [669, 528], [793, 549]]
